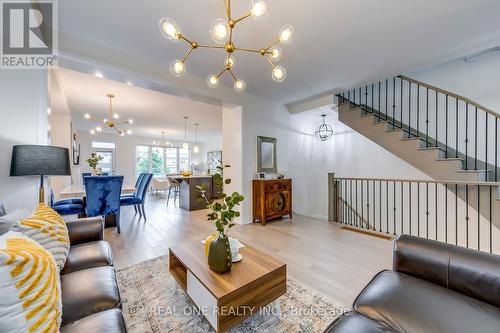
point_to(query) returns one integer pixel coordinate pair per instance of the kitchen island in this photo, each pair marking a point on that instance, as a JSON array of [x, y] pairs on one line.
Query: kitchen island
[[189, 194]]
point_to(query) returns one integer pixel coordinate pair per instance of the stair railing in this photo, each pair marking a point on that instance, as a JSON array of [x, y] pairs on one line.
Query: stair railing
[[455, 212], [459, 127]]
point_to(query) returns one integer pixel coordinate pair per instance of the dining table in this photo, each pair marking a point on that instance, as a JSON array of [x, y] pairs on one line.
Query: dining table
[[78, 191]]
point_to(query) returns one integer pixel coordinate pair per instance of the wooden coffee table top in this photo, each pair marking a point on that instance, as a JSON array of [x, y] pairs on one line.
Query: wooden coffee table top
[[254, 265]]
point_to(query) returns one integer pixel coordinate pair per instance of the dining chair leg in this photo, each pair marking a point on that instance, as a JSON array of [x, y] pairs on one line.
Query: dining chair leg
[[139, 209], [117, 219], [135, 209], [143, 213], [168, 196]]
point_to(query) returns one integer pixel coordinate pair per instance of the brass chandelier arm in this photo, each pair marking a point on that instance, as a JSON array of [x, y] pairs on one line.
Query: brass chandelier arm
[[270, 61], [272, 44], [243, 17], [181, 36], [212, 46], [220, 74], [227, 5], [250, 50], [232, 74], [187, 54]]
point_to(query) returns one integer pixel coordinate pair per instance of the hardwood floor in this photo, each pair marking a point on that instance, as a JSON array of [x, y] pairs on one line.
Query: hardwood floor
[[336, 262]]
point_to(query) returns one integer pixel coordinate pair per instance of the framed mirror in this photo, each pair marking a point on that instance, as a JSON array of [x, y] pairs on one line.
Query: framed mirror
[[266, 154]]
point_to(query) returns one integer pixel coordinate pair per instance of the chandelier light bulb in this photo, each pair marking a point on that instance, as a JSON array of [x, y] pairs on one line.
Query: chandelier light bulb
[[169, 29], [213, 81], [87, 116], [259, 10], [129, 132], [219, 31], [229, 62], [279, 73], [98, 128], [275, 53], [92, 132], [115, 116], [130, 121], [105, 120], [177, 68], [122, 134], [239, 85], [286, 34]]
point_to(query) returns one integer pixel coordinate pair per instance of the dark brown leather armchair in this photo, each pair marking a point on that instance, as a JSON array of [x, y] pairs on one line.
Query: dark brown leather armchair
[[433, 287], [90, 296]]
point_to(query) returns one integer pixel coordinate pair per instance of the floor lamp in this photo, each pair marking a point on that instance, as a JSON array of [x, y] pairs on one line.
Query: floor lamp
[[37, 160]]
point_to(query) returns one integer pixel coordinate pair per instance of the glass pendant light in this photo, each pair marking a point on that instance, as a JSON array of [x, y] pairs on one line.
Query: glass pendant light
[[259, 10], [219, 31], [177, 68], [279, 73], [185, 145], [169, 29], [286, 34], [239, 85], [213, 81], [196, 149]]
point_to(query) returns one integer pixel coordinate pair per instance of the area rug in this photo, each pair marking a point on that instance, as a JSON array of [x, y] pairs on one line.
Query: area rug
[[153, 303]]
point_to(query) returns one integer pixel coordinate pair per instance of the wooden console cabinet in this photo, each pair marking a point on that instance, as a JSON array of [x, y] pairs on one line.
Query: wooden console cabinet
[[272, 198]]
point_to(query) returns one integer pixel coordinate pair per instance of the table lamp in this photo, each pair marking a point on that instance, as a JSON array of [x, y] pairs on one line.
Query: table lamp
[[37, 160]]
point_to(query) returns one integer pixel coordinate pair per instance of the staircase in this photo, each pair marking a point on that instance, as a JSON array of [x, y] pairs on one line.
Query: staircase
[[427, 127], [449, 137]]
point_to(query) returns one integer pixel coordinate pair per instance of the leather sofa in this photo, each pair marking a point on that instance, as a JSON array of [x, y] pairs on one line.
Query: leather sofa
[[90, 296], [433, 287]]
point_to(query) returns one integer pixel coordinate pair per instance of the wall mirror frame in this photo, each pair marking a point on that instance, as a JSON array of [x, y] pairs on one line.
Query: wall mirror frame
[[266, 155]]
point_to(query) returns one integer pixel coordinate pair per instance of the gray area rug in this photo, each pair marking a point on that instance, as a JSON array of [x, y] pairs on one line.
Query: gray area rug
[[153, 303]]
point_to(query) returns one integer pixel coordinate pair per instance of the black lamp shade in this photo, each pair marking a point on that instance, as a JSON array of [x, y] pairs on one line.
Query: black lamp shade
[[36, 160]]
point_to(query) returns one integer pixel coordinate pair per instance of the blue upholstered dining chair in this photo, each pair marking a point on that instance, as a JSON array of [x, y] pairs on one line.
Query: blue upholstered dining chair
[[72, 206], [137, 185], [103, 196], [85, 174], [138, 199]]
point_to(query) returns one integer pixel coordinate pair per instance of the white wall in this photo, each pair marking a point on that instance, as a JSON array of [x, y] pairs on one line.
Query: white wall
[[59, 129], [23, 110], [125, 153], [347, 154], [478, 80]]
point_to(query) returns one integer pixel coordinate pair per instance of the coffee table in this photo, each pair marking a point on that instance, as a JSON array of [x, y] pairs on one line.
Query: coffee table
[[227, 299]]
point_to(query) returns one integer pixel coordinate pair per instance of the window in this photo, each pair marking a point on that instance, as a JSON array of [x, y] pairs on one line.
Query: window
[[161, 161], [103, 145]]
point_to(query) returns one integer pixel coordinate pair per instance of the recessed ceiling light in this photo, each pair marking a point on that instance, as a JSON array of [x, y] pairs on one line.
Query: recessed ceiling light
[[99, 75], [129, 83]]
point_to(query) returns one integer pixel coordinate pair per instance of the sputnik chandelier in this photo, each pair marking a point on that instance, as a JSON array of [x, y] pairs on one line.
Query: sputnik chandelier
[[163, 143], [324, 131], [222, 35], [111, 121]]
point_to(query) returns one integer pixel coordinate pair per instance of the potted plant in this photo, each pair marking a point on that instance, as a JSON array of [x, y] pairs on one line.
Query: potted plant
[[222, 214], [93, 161]]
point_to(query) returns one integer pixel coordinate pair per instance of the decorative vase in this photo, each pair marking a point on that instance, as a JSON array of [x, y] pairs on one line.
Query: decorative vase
[[219, 255]]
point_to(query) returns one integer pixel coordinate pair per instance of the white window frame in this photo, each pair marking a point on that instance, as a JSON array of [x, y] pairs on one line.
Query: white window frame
[[164, 149]]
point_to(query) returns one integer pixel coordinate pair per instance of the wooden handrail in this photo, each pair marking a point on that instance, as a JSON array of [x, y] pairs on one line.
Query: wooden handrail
[[429, 181], [449, 93]]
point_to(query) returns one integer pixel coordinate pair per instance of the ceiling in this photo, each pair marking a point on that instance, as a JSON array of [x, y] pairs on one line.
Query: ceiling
[[337, 43], [152, 112]]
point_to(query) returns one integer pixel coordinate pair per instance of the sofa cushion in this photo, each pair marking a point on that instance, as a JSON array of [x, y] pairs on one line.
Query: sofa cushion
[[87, 292], [30, 289], [409, 304], [109, 321], [8, 220], [353, 322], [47, 228], [88, 255]]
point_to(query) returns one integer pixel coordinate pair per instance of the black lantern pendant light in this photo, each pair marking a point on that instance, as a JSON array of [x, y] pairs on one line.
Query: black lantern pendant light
[[324, 131]]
